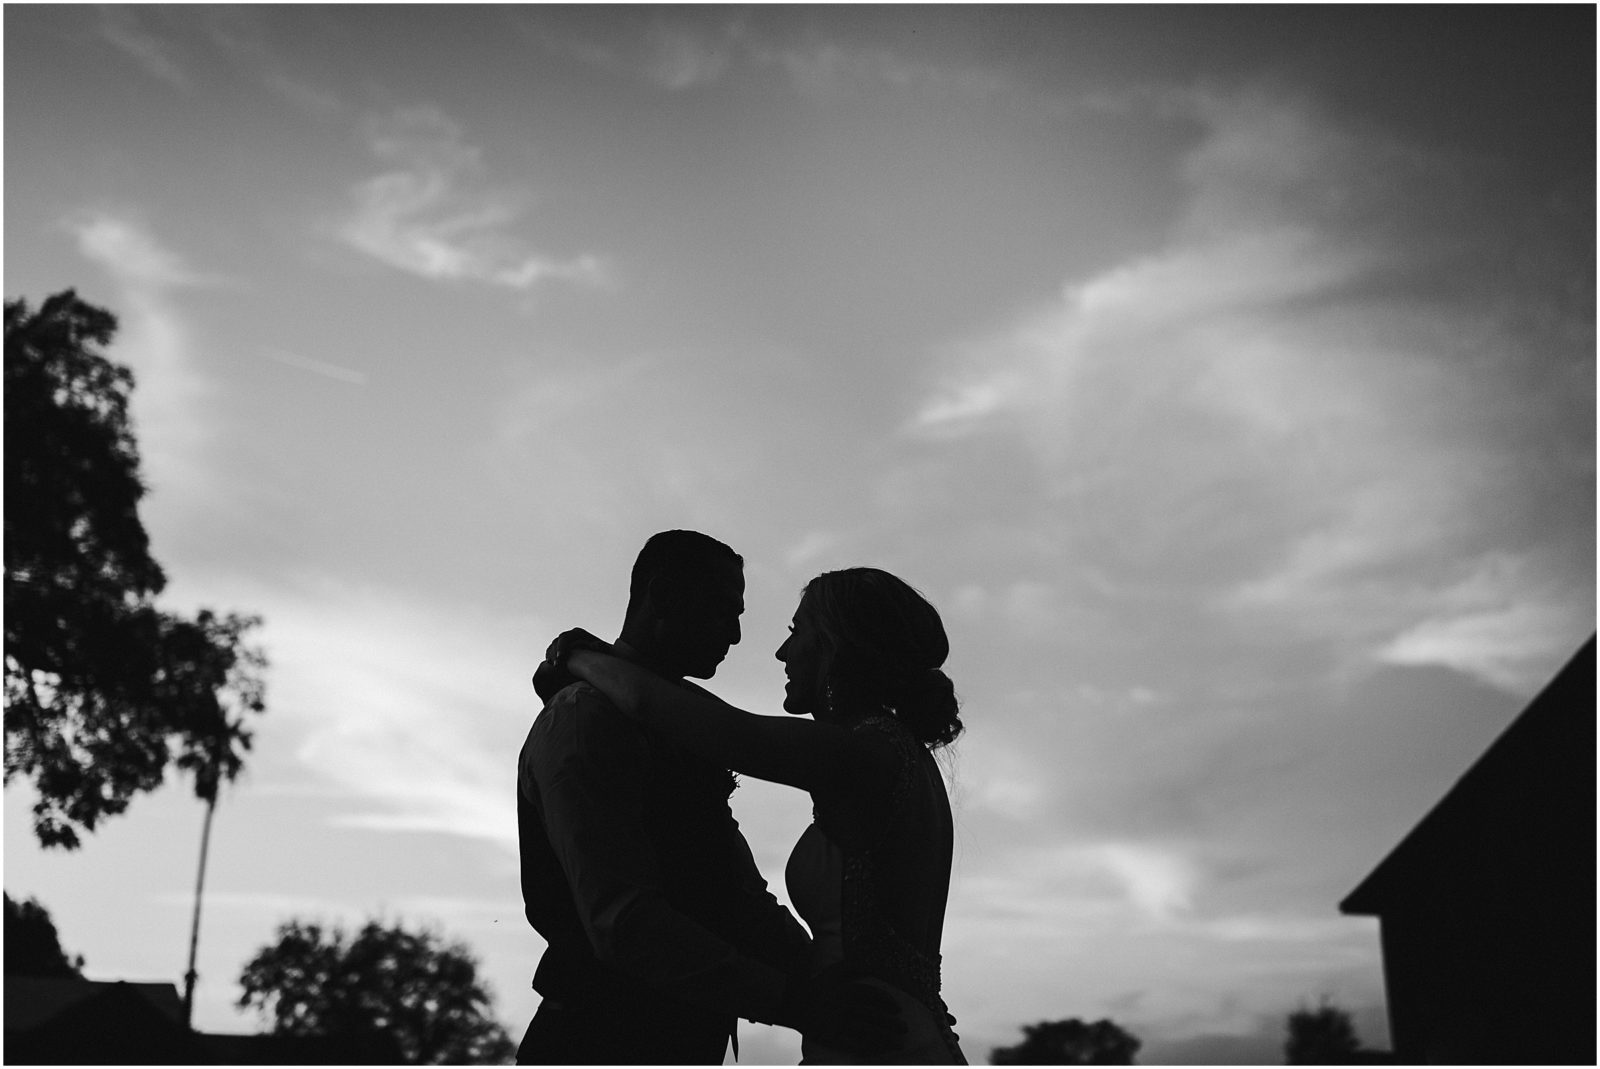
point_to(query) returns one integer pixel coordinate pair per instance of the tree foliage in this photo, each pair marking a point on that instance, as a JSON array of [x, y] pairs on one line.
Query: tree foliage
[[1323, 1036], [1069, 1042], [103, 690], [409, 985], [32, 947]]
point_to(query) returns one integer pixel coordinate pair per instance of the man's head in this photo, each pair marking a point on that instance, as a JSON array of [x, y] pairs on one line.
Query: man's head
[[684, 603]]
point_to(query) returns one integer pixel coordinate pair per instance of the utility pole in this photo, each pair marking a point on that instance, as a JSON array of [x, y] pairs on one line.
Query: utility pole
[[208, 790], [191, 976]]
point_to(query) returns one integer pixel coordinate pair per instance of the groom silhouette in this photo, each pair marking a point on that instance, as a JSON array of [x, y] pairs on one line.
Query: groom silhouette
[[661, 932]]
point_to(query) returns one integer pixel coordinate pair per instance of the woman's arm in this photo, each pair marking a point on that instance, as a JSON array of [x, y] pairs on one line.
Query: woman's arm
[[800, 753]]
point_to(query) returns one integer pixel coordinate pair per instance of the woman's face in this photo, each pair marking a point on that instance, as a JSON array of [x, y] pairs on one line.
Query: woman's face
[[802, 657]]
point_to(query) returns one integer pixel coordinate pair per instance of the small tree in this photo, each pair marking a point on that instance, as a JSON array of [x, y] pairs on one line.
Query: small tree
[[102, 689], [1324, 1036], [32, 946], [1070, 1042], [410, 985]]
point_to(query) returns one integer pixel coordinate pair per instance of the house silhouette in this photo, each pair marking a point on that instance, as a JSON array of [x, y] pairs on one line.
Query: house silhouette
[[1486, 909], [72, 1021]]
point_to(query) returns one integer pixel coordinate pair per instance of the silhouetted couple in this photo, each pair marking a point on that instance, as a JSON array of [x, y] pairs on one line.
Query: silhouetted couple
[[661, 930]]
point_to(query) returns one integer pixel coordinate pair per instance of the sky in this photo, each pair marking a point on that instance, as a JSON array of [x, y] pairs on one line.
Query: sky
[[1225, 376]]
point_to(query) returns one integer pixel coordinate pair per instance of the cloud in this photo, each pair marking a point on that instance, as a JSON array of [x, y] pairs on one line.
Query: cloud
[[1084, 884], [1263, 425], [1010, 781], [1160, 882], [1500, 624], [310, 907], [822, 68], [1277, 469], [316, 367], [155, 339], [408, 708], [435, 216], [674, 52], [241, 34], [684, 52], [680, 59], [121, 26], [131, 253], [810, 547], [573, 426], [1026, 924]]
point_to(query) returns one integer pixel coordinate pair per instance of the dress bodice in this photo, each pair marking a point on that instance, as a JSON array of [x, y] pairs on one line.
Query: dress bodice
[[857, 901]]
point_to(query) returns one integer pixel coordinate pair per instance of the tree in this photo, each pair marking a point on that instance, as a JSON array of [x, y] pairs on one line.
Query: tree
[[32, 946], [1324, 1036], [1069, 1042], [410, 985], [103, 690]]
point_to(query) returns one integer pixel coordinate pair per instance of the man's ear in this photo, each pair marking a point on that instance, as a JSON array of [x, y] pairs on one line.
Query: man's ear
[[663, 596]]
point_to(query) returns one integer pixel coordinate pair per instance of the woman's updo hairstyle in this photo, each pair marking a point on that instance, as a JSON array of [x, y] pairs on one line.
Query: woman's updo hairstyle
[[887, 645]]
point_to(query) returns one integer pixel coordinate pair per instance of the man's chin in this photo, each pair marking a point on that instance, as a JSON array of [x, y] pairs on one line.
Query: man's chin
[[704, 671]]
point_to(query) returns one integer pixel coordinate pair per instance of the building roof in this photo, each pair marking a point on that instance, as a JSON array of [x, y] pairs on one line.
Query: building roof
[[1533, 789], [343, 1048], [34, 1001]]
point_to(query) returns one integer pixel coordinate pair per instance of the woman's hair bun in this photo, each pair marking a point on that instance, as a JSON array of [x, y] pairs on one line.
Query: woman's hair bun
[[930, 709]]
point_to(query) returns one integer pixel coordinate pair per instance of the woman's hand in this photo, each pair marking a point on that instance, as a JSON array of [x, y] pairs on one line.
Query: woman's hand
[[553, 674], [568, 641]]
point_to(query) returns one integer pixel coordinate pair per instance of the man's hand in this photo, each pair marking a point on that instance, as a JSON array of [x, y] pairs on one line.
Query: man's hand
[[844, 1013]]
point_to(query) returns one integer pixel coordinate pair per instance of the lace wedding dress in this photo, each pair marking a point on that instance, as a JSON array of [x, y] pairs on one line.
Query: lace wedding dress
[[852, 898]]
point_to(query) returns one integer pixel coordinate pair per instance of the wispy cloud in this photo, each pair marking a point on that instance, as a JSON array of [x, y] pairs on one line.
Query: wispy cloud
[[1500, 623], [155, 339], [1142, 912], [671, 53], [242, 35], [823, 68], [407, 708], [316, 367], [678, 52], [126, 247], [678, 59], [122, 26], [1313, 453], [309, 907], [574, 425], [810, 547], [436, 215]]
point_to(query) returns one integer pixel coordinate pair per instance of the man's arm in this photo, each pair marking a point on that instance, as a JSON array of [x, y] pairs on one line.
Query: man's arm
[[766, 926], [587, 771]]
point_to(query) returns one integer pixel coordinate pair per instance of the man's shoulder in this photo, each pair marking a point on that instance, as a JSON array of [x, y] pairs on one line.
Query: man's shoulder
[[579, 716], [577, 695]]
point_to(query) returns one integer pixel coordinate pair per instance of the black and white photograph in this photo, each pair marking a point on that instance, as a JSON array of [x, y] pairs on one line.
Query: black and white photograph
[[776, 533]]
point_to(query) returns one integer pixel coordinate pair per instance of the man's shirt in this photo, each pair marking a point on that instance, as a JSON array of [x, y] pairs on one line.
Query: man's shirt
[[635, 849]]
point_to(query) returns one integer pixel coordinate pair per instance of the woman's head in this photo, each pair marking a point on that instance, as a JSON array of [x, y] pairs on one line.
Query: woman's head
[[871, 642]]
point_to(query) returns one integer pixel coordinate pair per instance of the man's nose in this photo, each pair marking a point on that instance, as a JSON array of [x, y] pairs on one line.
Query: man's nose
[[779, 654]]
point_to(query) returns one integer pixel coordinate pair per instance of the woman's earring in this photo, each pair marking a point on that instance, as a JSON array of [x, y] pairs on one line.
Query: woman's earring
[[827, 699]]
